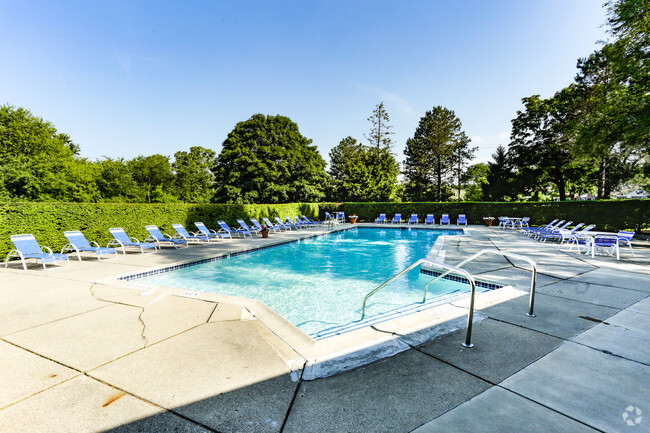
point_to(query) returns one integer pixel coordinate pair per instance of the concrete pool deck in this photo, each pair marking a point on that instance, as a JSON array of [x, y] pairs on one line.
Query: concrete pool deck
[[80, 351]]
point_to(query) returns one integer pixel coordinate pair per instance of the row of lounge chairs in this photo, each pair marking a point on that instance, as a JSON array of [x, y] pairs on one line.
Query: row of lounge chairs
[[413, 219], [27, 247], [581, 235]]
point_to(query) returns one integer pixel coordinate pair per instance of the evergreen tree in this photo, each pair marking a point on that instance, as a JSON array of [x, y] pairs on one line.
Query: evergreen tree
[[437, 147], [380, 132]]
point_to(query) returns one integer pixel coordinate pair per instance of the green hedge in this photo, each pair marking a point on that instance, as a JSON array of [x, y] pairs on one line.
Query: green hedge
[[605, 214], [48, 221]]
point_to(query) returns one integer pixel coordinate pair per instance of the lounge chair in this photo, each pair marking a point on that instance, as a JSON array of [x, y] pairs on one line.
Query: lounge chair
[[295, 224], [340, 217], [521, 223], [276, 227], [225, 228], [245, 227], [625, 238], [397, 218], [461, 220], [314, 222], [530, 231], [304, 222], [212, 234], [555, 229], [577, 238], [610, 244], [381, 219], [429, 219], [182, 233], [78, 244], [121, 239], [444, 219], [257, 225], [282, 223], [330, 219], [413, 219], [555, 235], [26, 247], [155, 235]]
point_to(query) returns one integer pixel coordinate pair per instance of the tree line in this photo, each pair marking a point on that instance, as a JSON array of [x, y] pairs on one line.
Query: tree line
[[590, 136]]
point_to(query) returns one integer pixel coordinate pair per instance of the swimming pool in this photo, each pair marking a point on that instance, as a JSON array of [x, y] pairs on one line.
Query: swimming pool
[[319, 283]]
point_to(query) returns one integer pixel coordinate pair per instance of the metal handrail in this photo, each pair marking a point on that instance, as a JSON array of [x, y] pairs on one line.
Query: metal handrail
[[470, 315], [531, 302]]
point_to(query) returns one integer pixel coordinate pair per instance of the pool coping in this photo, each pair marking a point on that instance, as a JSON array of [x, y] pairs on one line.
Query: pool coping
[[317, 358]]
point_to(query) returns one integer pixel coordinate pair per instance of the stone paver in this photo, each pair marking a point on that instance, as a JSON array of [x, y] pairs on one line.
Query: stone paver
[[585, 384]]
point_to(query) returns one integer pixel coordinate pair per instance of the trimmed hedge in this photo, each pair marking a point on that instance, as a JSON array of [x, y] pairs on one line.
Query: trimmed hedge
[[48, 221], [605, 214]]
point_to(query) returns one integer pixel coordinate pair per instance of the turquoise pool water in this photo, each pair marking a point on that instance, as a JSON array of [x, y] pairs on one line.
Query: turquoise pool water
[[320, 282]]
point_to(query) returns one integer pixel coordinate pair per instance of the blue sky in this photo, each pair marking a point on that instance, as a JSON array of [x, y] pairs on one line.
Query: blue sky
[[129, 78]]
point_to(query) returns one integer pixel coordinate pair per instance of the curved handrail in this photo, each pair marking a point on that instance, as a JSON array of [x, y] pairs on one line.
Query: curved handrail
[[531, 302], [470, 314]]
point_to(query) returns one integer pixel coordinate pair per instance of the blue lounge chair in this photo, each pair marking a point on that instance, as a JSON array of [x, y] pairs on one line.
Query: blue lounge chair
[[576, 239], [340, 217], [121, 239], [429, 219], [625, 238], [282, 224], [295, 224], [521, 223], [461, 219], [555, 229], [276, 227], [245, 227], [211, 233], [413, 219], [182, 233], [397, 218], [381, 219], [444, 219], [79, 244], [555, 235], [155, 235], [26, 247], [257, 225], [225, 228], [307, 224], [530, 231], [314, 222]]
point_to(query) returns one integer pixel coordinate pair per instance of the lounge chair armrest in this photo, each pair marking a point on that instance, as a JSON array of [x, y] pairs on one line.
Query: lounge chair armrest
[[114, 242], [135, 240], [95, 244], [69, 247], [50, 252]]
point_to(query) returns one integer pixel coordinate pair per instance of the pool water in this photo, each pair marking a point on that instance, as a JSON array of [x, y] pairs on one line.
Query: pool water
[[319, 283]]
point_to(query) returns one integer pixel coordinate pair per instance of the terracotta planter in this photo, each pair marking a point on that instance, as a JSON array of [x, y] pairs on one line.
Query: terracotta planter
[[265, 233], [488, 223], [353, 220]]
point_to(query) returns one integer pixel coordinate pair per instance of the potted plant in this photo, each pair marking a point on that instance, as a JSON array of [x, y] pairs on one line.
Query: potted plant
[[353, 219], [488, 221], [265, 232]]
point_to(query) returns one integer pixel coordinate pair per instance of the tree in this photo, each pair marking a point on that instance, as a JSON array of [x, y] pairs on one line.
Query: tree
[[473, 179], [194, 177], [115, 181], [154, 177], [499, 177], [462, 154], [265, 159], [380, 132], [39, 163], [437, 146], [542, 145]]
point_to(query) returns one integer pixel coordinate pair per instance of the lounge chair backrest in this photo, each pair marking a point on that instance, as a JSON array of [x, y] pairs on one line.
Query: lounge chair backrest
[[26, 244], [155, 232], [577, 226], [224, 226], [279, 221], [181, 230], [119, 234], [77, 239], [256, 224], [565, 225], [461, 217], [268, 222], [429, 217], [625, 235]]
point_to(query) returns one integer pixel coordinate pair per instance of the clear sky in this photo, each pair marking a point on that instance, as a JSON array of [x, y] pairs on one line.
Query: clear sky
[[127, 78]]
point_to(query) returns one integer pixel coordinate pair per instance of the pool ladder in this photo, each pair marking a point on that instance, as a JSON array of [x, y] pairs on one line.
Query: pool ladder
[[457, 270]]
